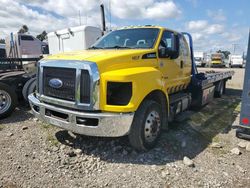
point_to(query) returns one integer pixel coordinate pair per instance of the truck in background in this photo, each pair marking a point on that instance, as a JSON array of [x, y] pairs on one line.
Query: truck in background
[[73, 39], [132, 81], [236, 61], [199, 58], [21, 45], [218, 60]]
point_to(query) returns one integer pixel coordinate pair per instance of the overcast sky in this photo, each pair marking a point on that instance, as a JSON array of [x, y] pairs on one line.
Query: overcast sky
[[214, 24]]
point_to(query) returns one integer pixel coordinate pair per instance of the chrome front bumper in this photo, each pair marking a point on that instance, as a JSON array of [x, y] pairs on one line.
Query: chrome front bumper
[[108, 124]]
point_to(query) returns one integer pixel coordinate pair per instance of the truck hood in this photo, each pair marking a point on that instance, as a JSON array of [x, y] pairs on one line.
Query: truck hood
[[106, 60]]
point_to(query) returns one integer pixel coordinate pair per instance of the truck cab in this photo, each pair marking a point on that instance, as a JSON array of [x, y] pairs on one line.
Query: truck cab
[[199, 58], [132, 81]]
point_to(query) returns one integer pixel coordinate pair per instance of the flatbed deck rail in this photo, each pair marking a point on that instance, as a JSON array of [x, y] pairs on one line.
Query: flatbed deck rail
[[204, 79]]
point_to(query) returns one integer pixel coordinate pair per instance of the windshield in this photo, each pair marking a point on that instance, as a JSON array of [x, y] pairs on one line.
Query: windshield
[[216, 57], [237, 57], [128, 38]]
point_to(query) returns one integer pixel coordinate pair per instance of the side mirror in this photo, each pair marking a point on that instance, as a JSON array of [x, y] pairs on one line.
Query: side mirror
[[167, 53], [162, 52]]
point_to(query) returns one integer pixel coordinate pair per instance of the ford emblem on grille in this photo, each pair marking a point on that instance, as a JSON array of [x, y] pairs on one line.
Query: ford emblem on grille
[[55, 83]]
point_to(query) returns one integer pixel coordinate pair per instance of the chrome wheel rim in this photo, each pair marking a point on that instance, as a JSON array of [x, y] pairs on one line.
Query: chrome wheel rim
[[5, 101], [152, 126]]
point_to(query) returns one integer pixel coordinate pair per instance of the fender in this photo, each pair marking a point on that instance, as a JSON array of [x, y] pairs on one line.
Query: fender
[[144, 81]]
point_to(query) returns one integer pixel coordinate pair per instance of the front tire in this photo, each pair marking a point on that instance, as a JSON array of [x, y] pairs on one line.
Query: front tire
[[28, 88], [8, 100], [146, 127]]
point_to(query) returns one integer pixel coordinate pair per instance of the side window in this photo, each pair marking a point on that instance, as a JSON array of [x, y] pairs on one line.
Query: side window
[[184, 49], [26, 37], [169, 41]]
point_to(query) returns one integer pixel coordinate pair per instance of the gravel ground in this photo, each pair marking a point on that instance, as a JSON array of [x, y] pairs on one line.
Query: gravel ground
[[34, 154]]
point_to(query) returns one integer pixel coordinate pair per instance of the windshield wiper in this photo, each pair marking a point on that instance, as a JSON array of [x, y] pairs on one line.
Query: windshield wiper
[[119, 47], [94, 47]]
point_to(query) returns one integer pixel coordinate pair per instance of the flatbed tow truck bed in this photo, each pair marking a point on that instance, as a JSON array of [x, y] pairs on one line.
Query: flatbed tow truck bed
[[212, 77]]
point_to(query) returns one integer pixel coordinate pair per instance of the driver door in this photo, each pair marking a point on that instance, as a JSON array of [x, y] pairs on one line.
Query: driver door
[[170, 67]]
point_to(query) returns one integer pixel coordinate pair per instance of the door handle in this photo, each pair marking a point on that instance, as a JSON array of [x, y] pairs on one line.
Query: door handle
[[181, 64]]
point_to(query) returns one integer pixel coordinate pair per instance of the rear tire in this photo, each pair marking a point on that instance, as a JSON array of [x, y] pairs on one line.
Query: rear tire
[[146, 127], [220, 90], [8, 100]]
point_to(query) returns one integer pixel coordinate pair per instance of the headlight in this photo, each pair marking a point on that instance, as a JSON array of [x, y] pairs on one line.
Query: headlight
[[119, 93]]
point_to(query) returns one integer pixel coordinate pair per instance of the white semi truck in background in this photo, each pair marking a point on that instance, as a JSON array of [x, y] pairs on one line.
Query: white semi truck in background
[[236, 61], [199, 58], [73, 38]]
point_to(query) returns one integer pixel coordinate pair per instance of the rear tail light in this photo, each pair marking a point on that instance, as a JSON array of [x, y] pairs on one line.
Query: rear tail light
[[245, 121]]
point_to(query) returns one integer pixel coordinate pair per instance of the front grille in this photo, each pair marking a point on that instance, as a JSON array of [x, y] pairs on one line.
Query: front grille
[[68, 78]]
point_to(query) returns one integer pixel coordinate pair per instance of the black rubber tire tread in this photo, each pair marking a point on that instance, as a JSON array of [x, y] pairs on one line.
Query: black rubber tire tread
[[136, 136], [32, 88], [14, 100], [26, 86], [218, 93]]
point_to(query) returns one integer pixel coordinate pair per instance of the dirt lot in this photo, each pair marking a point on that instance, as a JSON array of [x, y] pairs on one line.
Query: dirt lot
[[37, 155]]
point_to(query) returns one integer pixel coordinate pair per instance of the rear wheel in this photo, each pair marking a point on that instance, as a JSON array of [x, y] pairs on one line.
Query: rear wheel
[[146, 126], [220, 89], [8, 100]]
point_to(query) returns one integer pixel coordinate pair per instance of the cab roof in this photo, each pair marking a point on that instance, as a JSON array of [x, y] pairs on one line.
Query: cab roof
[[146, 26]]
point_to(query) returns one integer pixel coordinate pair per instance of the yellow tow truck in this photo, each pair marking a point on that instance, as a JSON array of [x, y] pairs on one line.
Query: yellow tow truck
[[132, 81], [218, 60]]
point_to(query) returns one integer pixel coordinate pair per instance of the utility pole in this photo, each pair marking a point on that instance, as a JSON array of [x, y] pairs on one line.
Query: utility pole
[[234, 47]]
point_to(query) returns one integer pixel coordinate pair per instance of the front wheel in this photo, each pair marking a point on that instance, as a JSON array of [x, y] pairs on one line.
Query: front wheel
[[146, 127], [8, 100]]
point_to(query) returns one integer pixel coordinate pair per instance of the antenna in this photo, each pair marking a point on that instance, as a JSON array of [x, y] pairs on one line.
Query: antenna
[[80, 21], [110, 15]]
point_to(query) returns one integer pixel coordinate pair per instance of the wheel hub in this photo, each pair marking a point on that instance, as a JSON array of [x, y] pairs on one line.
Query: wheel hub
[[5, 101], [152, 126]]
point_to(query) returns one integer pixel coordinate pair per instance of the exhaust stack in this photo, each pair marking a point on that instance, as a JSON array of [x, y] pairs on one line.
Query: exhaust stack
[[103, 19]]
